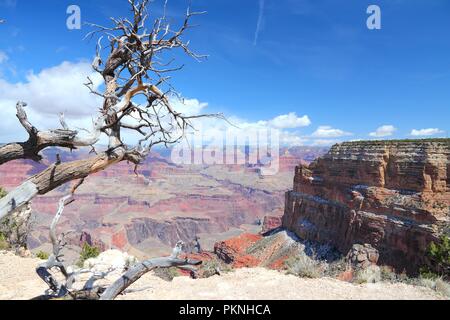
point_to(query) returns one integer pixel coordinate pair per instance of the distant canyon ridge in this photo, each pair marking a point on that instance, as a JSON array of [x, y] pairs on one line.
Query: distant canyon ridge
[[146, 214]]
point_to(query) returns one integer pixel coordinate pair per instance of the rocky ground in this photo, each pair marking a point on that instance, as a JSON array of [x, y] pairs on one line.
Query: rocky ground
[[18, 280]]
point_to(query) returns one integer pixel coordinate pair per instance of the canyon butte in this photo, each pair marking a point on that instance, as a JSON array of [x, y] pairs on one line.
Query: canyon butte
[[393, 195]]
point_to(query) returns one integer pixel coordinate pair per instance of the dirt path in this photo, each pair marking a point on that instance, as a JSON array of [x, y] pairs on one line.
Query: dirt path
[[19, 281]]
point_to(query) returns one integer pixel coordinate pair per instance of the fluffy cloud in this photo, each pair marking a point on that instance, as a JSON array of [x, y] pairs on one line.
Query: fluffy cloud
[[426, 132], [329, 132], [57, 89], [289, 121], [49, 92], [384, 131], [61, 89], [189, 107]]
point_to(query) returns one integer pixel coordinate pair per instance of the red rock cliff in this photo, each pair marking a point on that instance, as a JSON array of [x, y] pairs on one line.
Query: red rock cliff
[[394, 195]]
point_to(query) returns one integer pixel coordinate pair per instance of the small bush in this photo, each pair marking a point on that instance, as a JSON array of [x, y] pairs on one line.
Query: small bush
[[15, 227], [437, 284], [42, 255], [336, 268], [426, 273], [87, 252], [371, 274], [212, 267], [443, 287], [440, 254], [167, 273], [304, 266], [388, 274], [2, 192], [4, 244]]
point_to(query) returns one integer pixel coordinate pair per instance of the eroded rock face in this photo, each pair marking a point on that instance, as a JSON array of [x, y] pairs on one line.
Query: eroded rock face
[[393, 195]]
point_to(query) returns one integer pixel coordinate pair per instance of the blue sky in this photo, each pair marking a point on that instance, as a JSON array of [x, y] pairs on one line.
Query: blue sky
[[311, 57]]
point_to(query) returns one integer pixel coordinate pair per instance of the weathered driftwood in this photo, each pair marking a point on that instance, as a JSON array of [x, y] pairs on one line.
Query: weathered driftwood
[[39, 140], [55, 259], [137, 271]]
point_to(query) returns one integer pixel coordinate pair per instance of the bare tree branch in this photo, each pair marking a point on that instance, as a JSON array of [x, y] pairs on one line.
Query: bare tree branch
[[137, 271], [39, 140]]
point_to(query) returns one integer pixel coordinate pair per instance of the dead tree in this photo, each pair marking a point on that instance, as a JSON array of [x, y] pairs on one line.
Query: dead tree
[[137, 97], [131, 58], [63, 289]]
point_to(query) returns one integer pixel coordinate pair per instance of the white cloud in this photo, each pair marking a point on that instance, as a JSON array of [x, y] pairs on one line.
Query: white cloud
[[289, 121], [426, 132], [329, 132], [49, 92], [384, 131], [61, 89], [189, 107]]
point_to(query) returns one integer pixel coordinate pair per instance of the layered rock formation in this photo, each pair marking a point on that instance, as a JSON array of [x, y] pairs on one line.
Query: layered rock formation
[[149, 212], [394, 195]]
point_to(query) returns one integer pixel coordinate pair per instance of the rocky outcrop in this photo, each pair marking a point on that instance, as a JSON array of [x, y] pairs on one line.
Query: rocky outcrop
[[269, 251], [362, 256], [168, 232], [271, 222], [234, 251], [393, 195]]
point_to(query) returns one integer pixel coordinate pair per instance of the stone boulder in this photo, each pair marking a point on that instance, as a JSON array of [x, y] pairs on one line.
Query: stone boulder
[[103, 270], [362, 256], [110, 260]]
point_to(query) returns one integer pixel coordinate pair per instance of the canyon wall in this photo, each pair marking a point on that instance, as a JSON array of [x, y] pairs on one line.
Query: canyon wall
[[394, 195]]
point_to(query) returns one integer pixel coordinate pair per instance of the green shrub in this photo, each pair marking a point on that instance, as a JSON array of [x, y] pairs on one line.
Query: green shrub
[[437, 284], [439, 254], [167, 273], [4, 244], [15, 227], [372, 274], [442, 287], [304, 266], [336, 268], [87, 252], [388, 274], [42, 255], [2, 192], [212, 267]]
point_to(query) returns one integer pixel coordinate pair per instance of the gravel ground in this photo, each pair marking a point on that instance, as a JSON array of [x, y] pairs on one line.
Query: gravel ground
[[18, 280]]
